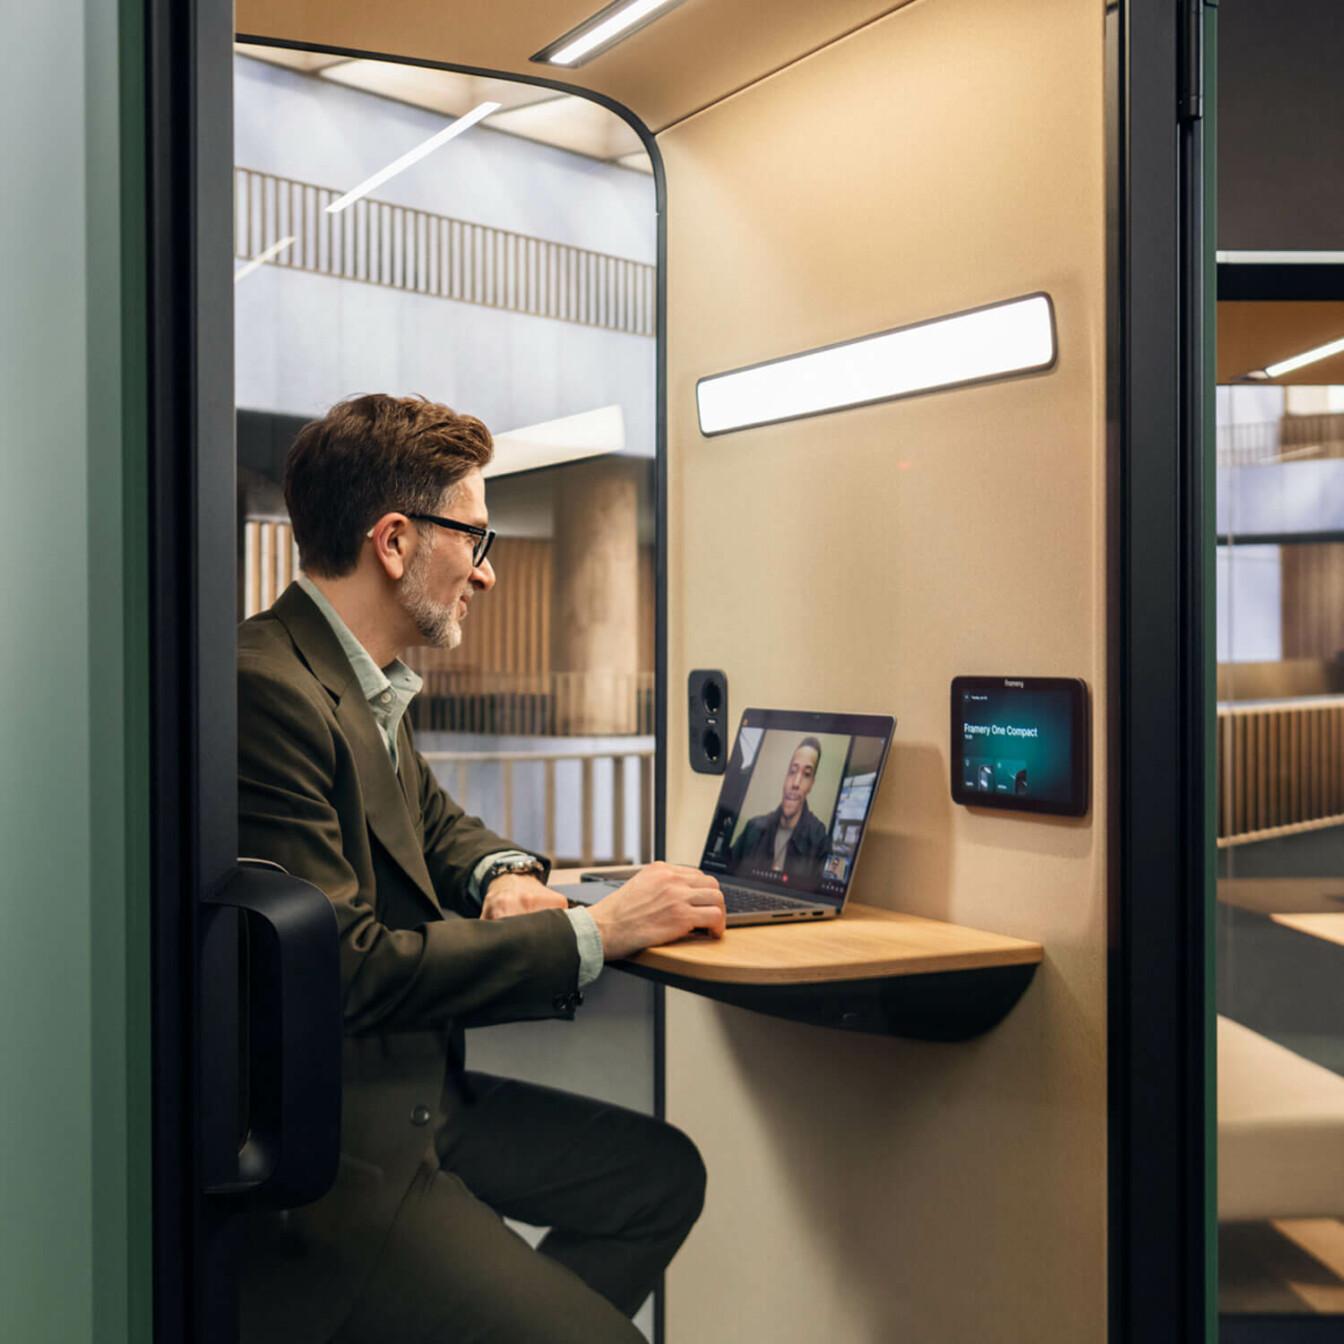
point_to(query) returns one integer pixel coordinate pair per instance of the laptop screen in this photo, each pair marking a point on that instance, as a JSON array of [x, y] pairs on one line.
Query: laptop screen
[[795, 801]]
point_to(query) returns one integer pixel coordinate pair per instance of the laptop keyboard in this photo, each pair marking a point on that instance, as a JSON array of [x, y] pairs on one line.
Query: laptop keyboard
[[739, 900]]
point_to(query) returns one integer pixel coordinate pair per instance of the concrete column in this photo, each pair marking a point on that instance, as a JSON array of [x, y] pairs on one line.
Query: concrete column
[[595, 608]]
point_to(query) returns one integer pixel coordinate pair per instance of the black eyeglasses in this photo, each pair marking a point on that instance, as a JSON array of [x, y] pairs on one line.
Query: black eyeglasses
[[485, 536]]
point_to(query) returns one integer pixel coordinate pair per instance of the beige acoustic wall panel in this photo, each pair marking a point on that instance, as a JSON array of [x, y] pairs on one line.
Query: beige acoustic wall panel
[[952, 154]]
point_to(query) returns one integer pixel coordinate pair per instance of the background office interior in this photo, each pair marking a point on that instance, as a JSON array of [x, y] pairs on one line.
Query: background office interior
[[861, 1188]]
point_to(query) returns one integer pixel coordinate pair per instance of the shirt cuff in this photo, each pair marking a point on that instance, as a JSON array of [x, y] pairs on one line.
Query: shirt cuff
[[478, 873], [591, 956]]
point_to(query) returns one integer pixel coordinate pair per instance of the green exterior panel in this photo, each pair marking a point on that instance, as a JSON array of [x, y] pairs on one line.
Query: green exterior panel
[[74, 1175]]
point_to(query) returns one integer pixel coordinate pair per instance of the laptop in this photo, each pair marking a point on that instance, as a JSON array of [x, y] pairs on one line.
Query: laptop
[[791, 816]]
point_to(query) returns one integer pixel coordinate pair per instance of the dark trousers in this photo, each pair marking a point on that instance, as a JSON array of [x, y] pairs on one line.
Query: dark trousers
[[618, 1190]]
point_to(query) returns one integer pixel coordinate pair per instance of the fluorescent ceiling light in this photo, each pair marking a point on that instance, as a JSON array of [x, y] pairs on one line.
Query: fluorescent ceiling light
[[463, 123], [1281, 258], [1017, 336], [262, 258], [607, 27], [1305, 358]]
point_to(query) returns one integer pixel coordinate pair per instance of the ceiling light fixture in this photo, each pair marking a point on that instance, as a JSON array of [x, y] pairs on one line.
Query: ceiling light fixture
[[997, 341], [262, 258], [463, 123], [607, 27], [1280, 258], [1305, 358]]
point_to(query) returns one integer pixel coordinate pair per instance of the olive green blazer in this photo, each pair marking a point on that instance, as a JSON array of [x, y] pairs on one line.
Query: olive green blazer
[[318, 795]]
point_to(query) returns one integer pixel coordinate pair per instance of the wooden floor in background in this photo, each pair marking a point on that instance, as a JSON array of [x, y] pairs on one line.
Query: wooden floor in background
[[1287, 1266]]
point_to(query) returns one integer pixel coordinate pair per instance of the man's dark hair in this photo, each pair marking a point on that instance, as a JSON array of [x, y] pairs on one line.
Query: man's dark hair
[[369, 456], [816, 746]]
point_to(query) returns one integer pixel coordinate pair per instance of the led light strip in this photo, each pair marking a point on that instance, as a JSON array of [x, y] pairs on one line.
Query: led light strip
[[604, 29], [262, 258], [997, 341], [464, 123], [1280, 258], [1305, 358]]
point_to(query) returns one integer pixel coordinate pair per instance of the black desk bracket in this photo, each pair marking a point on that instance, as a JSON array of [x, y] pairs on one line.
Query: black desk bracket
[[937, 1006]]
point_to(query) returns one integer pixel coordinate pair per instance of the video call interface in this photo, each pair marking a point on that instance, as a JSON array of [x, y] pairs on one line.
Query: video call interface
[[792, 809]]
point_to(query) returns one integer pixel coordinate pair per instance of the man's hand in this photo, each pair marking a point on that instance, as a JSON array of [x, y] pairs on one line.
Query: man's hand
[[661, 904], [519, 894]]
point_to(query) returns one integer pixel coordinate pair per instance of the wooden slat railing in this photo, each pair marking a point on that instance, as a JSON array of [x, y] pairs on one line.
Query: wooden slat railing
[[537, 704], [1292, 438], [1280, 768], [270, 562], [398, 247], [493, 699], [519, 769]]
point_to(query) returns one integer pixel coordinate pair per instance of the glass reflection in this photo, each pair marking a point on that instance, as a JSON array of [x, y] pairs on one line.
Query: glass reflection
[[1280, 911]]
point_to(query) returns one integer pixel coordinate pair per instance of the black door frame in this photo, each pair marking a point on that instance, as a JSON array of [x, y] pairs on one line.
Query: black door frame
[[189, 341], [1162, 1247]]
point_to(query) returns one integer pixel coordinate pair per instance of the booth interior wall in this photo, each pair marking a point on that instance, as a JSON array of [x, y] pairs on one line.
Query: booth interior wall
[[949, 155]]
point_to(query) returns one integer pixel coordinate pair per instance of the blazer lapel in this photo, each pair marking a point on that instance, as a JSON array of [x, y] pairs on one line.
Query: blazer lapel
[[385, 805], [386, 808]]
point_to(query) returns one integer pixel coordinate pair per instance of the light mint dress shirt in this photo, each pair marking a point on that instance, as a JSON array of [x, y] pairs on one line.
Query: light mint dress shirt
[[389, 691]]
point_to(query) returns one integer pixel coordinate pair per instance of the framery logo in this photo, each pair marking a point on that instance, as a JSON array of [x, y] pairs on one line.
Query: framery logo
[[1021, 685]]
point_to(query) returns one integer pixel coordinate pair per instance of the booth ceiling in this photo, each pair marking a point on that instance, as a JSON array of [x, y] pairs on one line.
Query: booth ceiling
[[696, 54]]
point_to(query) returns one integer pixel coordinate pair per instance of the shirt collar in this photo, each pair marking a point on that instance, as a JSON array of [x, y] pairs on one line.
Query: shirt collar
[[373, 680]]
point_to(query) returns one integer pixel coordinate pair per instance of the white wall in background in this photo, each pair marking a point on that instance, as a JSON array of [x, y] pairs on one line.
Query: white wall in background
[[1250, 604], [1305, 496], [1247, 404]]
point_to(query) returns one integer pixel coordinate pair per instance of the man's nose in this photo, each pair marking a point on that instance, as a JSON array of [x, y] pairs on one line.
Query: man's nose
[[483, 576]]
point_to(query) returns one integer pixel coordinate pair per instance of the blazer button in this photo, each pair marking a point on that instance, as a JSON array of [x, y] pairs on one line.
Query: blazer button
[[421, 1115], [560, 1002]]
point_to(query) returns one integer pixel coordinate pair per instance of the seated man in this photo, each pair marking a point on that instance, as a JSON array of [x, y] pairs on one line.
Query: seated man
[[442, 924], [789, 840]]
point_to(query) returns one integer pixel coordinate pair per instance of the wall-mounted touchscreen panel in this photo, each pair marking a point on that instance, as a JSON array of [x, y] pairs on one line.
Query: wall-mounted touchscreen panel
[[1020, 743]]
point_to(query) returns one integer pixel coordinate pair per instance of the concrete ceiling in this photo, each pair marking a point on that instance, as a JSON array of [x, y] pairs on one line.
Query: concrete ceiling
[[694, 55], [527, 110], [1254, 335]]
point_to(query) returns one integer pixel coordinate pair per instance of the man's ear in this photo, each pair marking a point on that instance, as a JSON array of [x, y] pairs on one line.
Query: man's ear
[[393, 541]]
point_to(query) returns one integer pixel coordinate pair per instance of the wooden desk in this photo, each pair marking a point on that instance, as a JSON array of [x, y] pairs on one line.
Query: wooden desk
[[871, 970]]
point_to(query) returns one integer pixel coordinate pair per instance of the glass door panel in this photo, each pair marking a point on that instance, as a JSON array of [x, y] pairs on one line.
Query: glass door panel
[[1280, 911], [512, 277]]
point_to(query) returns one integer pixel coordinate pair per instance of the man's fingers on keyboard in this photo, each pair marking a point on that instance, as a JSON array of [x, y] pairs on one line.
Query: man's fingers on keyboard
[[709, 918]]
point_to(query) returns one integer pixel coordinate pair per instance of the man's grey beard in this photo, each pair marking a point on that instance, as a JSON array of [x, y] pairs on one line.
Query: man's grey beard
[[436, 621]]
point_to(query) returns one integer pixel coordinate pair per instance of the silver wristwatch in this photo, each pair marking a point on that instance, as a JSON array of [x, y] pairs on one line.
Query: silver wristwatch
[[521, 865]]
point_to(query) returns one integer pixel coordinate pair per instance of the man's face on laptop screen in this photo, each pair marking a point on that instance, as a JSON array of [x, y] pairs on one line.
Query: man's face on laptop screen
[[798, 780]]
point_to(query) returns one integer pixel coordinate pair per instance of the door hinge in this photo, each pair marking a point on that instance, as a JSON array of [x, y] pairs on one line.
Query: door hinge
[[1191, 58]]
